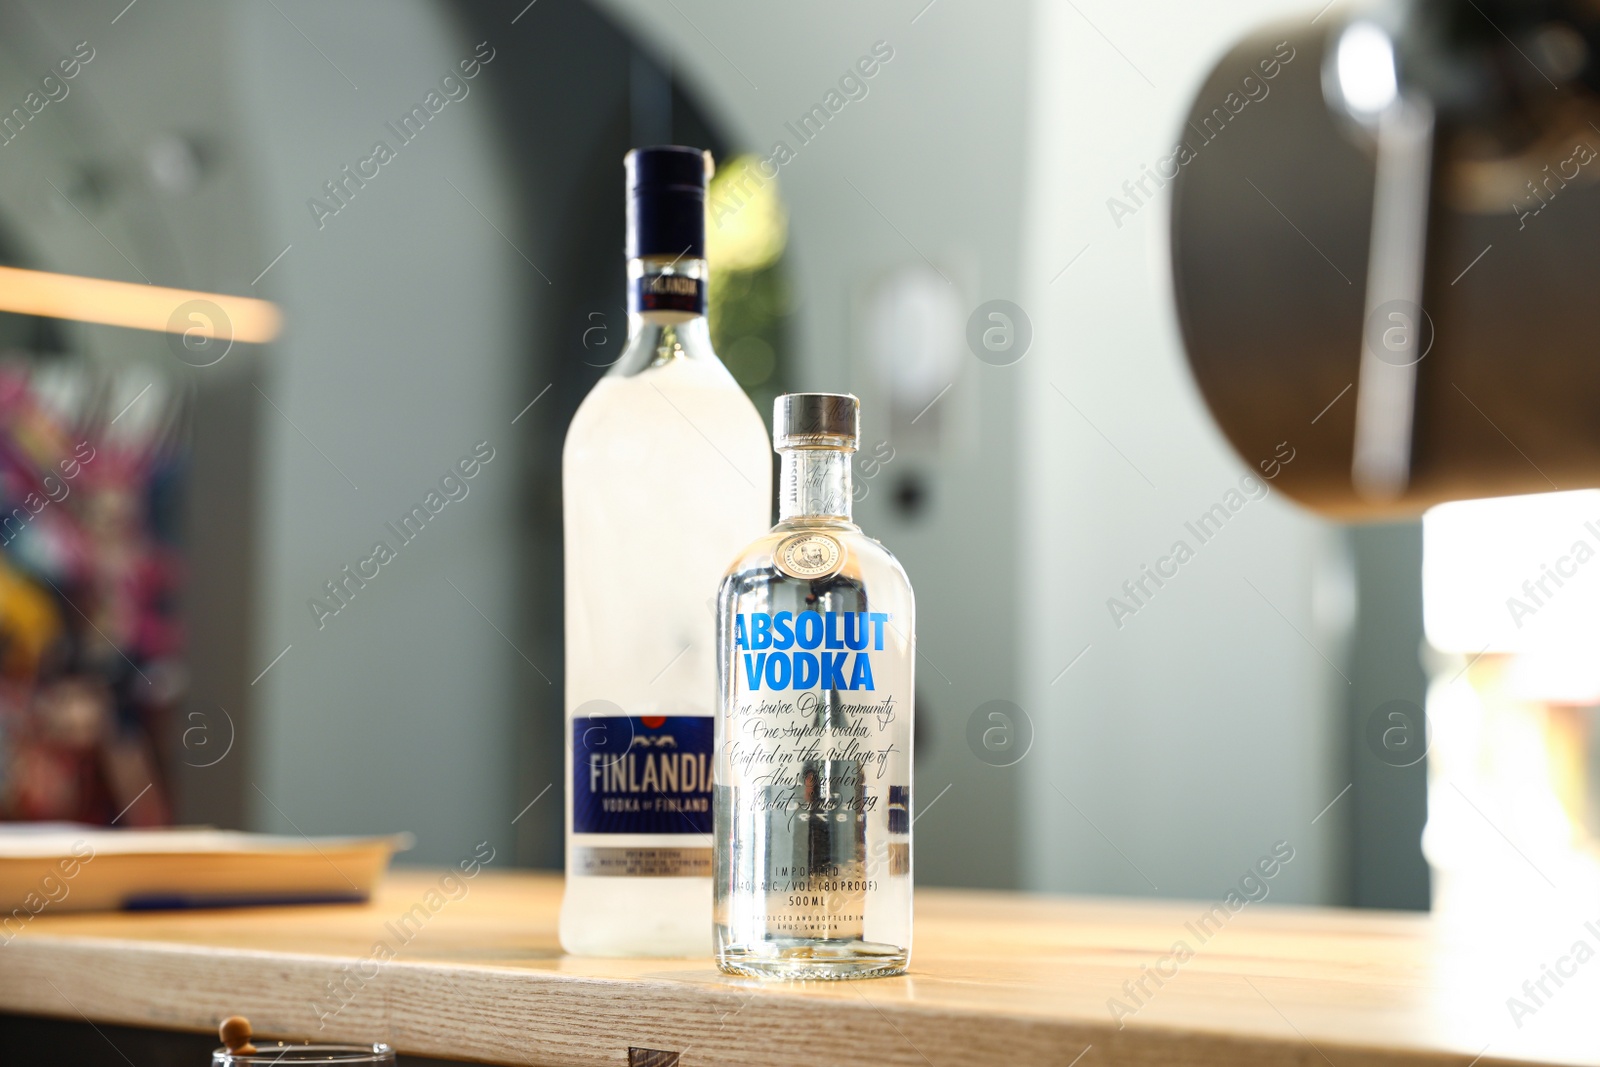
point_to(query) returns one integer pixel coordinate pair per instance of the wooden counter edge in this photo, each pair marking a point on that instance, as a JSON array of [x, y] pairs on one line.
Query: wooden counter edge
[[498, 1014]]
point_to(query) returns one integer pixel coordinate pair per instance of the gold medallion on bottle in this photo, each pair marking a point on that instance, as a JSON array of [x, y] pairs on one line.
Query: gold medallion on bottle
[[809, 555]]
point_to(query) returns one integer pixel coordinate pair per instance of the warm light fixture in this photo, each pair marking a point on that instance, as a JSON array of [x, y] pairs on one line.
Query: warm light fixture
[[139, 307]]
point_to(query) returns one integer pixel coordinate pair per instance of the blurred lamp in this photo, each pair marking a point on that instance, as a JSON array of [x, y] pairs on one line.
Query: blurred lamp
[[1383, 251], [139, 307], [1365, 65]]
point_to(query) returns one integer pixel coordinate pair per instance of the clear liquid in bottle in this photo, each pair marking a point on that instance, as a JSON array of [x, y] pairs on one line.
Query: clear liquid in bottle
[[816, 624], [665, 477]]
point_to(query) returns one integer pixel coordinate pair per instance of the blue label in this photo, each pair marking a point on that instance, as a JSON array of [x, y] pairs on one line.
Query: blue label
[[899, 809], [769, 649], [641, 774]]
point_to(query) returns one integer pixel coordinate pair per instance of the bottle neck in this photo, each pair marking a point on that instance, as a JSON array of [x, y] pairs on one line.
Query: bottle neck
[[666, 314], [665, 291], [815, 485]]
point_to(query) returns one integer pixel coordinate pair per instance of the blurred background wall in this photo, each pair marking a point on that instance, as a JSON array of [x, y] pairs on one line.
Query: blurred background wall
[[400, 710], [453, 300], [1193, 735]]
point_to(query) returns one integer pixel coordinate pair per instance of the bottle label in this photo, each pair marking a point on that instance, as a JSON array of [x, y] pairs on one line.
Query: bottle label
[[641, 774], [815, 755], [815, 655], [640, 862], [668, 292]]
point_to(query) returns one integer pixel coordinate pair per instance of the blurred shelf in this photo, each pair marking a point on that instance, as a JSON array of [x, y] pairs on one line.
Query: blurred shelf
[[997, 979]]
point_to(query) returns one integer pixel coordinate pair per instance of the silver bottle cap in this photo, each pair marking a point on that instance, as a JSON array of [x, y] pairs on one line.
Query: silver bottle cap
[[816, 420]]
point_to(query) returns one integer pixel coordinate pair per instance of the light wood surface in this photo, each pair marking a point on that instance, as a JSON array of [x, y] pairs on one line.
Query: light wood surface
[[997, 979]]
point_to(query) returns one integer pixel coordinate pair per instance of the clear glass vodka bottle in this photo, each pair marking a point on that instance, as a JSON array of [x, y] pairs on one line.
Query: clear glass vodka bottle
[[812, 773], [665, 476]]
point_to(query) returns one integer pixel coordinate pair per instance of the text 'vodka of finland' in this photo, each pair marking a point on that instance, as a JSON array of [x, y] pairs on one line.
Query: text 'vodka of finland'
[[665, 477], [812, 773]]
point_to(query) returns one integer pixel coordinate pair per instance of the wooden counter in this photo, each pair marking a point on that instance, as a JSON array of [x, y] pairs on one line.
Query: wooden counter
[[997, 979]]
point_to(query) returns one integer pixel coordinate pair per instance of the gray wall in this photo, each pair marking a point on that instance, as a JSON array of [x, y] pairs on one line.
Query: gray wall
[[396, 714], [1209, 726]]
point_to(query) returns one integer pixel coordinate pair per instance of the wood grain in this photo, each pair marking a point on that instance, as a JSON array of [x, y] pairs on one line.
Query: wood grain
[[996, 979]]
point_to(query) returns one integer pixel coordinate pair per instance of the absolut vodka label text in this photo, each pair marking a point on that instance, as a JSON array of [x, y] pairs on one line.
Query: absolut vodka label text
[[808, 650]]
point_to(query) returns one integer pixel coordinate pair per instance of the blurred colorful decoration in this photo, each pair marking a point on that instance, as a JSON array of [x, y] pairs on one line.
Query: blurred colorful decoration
[[90, 641]]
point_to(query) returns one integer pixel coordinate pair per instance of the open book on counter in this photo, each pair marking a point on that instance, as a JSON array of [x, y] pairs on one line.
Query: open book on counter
[[67, 867]]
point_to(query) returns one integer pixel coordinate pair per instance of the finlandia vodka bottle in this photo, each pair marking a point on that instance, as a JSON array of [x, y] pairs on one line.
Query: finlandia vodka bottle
[[665, 477], [816, 630]]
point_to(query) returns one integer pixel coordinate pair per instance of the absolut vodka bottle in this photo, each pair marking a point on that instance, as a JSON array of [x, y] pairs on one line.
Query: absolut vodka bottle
[[816, 630], [665, 476]]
